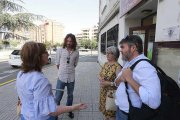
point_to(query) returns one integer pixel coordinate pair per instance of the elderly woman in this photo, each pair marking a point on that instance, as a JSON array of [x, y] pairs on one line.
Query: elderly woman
[[106, 77], [34, 89]]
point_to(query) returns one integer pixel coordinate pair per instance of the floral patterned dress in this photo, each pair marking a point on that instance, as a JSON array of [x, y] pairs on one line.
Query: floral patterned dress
[[109, 73]]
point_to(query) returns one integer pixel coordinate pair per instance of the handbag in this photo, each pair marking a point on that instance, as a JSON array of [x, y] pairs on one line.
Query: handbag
[[110, 100]]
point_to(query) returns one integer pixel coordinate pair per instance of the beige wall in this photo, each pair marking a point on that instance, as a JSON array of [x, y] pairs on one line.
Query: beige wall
[[54, 32], [168, 18]]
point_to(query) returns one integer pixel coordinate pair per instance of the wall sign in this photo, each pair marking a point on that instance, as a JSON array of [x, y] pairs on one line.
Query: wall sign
[[171, 33]]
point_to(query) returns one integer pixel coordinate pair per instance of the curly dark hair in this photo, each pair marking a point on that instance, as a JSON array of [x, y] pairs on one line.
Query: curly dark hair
[[73, 39], [133, 40], [31, 56]]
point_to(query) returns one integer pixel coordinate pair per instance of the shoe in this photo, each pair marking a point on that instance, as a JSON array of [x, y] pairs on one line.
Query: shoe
[[71, 115]]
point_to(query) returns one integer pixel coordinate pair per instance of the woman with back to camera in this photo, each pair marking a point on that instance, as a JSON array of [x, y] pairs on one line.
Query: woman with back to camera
[[34, 89], [107, 76]]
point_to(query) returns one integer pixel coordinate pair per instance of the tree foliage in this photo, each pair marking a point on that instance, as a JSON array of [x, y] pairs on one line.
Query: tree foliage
[[5, 43], [18, 20], [48, 44], [14, 43], [94, 44], [88, 44], [10, 5]]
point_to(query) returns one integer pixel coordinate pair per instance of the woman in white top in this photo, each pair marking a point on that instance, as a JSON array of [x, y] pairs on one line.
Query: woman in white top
[[34, 89]]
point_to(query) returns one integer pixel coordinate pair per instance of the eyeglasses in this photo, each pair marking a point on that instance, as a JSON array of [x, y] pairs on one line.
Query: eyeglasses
[[68, 60]]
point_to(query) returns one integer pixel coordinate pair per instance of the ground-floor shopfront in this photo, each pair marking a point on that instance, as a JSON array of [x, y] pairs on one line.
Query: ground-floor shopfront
[[157, 22]]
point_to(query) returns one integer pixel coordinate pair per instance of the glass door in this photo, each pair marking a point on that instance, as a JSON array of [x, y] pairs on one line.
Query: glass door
[[141, 34], [147, 34]]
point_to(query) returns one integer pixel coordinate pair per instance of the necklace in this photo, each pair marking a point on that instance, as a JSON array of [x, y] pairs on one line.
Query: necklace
[[69, 54], [69, 51]]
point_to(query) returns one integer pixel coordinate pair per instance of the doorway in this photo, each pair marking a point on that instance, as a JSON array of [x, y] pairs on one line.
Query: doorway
[[147, 34]]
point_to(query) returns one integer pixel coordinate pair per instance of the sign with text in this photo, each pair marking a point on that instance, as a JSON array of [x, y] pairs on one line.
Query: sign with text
[[127, 5]]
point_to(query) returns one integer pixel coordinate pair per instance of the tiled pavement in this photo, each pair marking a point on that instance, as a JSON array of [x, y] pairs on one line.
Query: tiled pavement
[[86, 90]]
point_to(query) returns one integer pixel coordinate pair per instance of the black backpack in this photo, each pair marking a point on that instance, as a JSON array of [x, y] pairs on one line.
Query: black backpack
[[170, 94]]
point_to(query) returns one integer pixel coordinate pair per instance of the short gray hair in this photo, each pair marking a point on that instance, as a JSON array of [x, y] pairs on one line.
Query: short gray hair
[[114, 50]]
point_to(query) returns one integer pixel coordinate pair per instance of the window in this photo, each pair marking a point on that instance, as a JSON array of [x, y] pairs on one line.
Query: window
[[103, 43], [112, 36], [16, 52]]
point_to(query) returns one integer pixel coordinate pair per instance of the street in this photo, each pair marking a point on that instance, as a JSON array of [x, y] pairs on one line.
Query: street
[[8, 73], [86, 90]]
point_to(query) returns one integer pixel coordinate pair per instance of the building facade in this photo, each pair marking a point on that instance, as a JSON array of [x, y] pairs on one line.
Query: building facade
[[16, 35], [108, 26], [93, 32], [88, 33], [54, 32], [85, 33], [49, 31], [157, 22]]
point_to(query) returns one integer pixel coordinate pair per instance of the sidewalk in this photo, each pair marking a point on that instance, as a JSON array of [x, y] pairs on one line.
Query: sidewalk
[[86, 90]]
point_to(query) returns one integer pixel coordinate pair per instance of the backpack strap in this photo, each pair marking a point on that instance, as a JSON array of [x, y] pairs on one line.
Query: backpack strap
[[158, 69], [134, 65], [132, 68]]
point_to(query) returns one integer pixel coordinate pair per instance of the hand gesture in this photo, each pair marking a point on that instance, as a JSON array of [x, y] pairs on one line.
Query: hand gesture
[[100, 78], [119, 80], [79, 106], [104, 83]]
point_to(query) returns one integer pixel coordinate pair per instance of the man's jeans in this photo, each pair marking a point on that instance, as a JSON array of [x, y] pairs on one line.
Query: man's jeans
[[121, 115], [59, 94]]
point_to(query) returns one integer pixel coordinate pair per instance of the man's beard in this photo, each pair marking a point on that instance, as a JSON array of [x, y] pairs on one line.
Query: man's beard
[[127, 56], [69, 46]]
